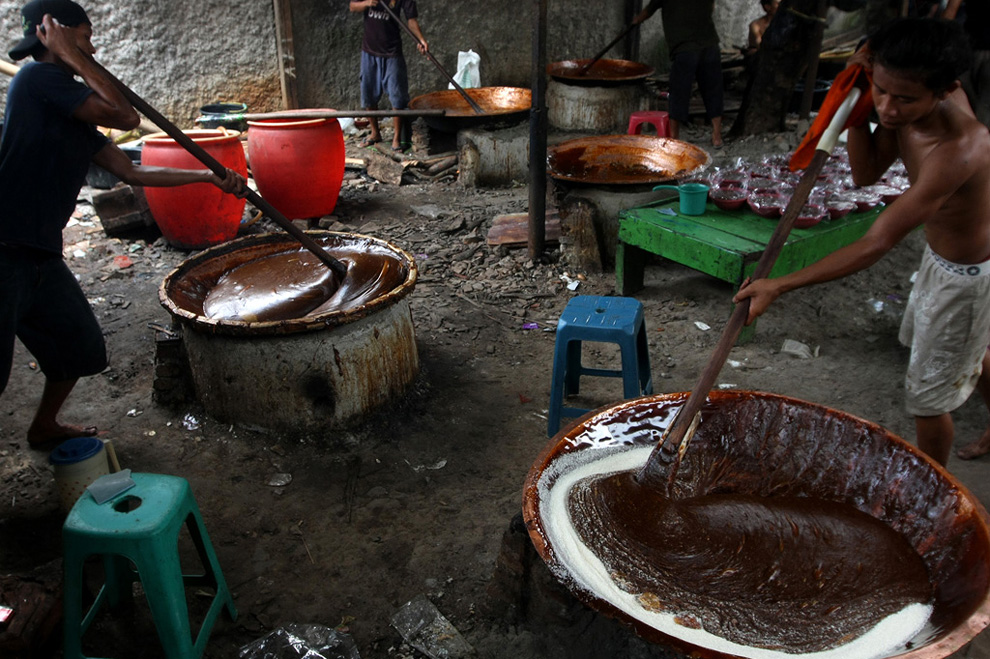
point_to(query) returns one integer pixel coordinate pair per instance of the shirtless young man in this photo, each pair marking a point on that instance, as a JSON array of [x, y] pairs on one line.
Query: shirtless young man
[[916, 64], [760, 25]]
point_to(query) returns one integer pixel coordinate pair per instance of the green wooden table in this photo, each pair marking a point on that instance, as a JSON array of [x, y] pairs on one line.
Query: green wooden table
[[724, 244]]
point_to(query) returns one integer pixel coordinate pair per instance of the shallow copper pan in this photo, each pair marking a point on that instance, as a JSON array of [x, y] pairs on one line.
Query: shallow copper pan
[[604, 72], [502, 105], [767, 444], [624, 160]]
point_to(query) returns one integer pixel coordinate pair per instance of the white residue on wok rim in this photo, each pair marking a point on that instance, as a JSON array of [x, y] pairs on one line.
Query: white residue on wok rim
[[583, 566]]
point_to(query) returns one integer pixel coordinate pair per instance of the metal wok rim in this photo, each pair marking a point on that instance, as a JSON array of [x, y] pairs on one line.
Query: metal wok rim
[[645, 142], [558, 71], [426, 101], [294, 325], [939, 648]]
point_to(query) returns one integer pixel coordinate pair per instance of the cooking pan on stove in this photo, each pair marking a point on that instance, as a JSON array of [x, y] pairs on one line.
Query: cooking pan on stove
[[770, 445], [624, 160], [503, 106], [603, 73]]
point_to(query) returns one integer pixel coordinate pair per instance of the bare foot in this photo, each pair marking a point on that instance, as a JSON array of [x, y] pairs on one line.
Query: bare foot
[[48, 437], [977, 448]]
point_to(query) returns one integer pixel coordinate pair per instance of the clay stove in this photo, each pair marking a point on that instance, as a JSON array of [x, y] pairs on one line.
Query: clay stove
[[305, 374]]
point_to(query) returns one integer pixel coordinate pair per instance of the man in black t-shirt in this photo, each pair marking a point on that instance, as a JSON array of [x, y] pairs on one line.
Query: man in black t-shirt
[[383, 67], [693, 45], [49, 139]]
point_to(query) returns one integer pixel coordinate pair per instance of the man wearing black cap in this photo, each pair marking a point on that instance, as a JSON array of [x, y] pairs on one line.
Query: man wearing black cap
[[49, 140]]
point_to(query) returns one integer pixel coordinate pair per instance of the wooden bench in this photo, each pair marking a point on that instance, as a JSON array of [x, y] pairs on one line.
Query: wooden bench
[[724, 244]]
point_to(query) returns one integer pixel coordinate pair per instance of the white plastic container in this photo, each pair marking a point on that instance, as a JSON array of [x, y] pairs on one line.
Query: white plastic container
[[78, 462]]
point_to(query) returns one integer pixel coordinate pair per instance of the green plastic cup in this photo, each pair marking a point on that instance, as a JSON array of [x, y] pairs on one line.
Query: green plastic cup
[[692, 197]]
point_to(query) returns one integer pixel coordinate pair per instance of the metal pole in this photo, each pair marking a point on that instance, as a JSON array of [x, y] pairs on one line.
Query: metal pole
[[538, 135], [814, 51]]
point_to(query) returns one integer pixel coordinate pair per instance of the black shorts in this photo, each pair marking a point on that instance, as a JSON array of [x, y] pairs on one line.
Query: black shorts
[[42, 304], [705, 66]]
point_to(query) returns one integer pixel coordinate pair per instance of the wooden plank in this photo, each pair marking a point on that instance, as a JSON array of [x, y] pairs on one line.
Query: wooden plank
[[286, 54], [513, 230], [584, 245], [123, 209], [384, 168]]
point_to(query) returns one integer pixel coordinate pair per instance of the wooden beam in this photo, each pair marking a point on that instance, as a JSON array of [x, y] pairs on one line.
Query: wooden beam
[[286, 54], [538, 135]]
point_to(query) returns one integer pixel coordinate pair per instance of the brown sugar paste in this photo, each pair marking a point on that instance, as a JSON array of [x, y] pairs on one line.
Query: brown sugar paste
[[295, 284], [795, 574]]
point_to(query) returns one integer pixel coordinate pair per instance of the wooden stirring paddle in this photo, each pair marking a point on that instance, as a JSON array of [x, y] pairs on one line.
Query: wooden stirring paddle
[[665, 458], [587, 66]]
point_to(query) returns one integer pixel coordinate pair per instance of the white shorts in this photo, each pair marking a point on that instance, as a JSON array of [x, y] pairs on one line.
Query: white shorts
[[947, 325]]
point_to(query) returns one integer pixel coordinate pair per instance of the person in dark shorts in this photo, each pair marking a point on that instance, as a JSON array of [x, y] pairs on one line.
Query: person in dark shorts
[[692, 42], [48, 141], [383, 66]]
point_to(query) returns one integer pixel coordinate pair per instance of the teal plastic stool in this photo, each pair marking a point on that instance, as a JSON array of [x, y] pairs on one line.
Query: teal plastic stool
[[605, 319], [137, 534]]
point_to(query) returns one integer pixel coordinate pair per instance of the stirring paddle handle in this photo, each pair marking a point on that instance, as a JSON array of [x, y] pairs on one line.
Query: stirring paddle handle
[[584, 69], [668, 450], [467, 97], [170, 129]]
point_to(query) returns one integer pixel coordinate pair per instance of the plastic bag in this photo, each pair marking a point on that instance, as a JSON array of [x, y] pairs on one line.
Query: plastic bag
[[468, 70], [424, 627], [297, 641]]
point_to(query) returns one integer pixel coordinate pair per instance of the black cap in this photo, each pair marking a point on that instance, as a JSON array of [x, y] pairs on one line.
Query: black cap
[[65, 12]]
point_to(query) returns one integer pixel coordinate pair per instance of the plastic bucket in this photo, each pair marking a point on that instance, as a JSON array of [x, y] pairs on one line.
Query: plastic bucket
[[78, 462], [692, 197], [298, 165], [197, 215], [212, 116]]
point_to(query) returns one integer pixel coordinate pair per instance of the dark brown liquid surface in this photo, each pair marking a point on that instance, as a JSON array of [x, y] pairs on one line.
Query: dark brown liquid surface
[[623, 159], [295, 284], [787, 573]]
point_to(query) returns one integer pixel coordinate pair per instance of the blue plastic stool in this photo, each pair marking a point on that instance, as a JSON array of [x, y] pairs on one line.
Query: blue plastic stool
[[605, 319], [137, 534]]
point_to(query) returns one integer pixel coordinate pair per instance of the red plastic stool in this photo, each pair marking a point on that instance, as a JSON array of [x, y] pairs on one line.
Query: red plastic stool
[[656, 118]]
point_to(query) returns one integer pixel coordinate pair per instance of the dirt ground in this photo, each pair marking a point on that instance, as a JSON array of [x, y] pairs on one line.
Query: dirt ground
[[417, 498]]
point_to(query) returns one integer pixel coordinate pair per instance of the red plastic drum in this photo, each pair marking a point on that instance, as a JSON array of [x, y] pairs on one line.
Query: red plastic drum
[[298, 165], [197, 215]]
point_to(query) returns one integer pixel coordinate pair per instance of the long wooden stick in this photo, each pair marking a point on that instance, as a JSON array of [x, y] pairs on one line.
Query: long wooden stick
[[338, 267], [318, 114], [474, 105], [665, 457]]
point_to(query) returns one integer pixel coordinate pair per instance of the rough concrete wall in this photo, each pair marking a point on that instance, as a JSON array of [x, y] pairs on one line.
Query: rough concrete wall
[[500, 31], [182, 54]]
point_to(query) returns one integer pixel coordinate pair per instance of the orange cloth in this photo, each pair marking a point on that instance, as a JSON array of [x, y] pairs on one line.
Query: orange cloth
[[841, 86]]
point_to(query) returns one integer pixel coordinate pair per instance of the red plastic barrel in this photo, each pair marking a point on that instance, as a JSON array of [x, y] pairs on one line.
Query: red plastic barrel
[[200, 214], [298, 165]]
